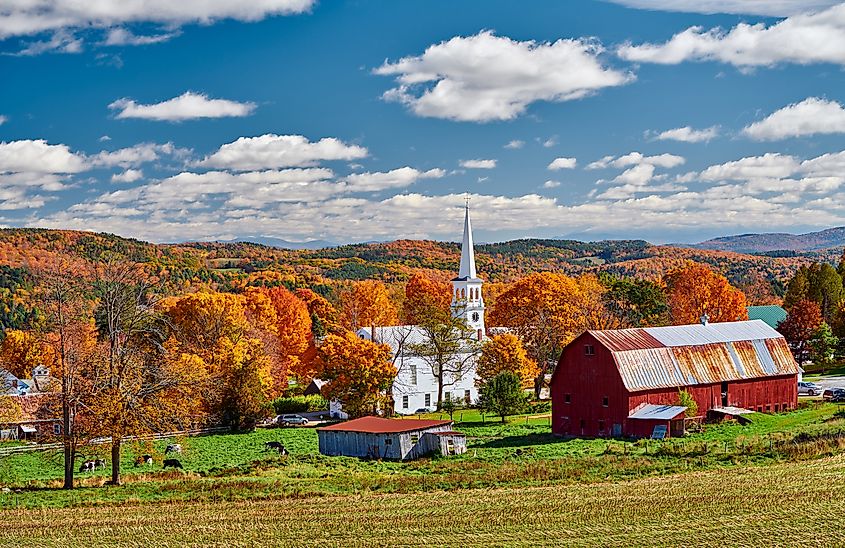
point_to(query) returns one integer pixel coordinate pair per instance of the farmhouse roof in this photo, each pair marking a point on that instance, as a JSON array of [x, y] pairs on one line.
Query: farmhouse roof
[[686, 355], [772, 314], [378, 425]]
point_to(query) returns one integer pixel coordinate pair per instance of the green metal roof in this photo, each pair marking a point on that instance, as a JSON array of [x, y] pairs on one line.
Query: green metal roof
[[772, 314]]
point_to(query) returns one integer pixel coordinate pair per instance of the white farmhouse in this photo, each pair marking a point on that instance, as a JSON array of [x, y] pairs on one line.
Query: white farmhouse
[[415, 387]]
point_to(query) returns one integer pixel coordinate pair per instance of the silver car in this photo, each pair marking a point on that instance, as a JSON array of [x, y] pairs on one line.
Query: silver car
[[809, 389], [287, 420]]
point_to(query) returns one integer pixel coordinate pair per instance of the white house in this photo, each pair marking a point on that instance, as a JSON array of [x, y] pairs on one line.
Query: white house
[[415, 386]]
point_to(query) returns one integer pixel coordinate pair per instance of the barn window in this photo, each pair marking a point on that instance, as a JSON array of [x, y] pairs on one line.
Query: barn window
[[777, 407], [768, 408], [388, 441], [567, 398], [605, 401], [415, 439], [427, 400], [404, 402], [589, 350], [601, 426]]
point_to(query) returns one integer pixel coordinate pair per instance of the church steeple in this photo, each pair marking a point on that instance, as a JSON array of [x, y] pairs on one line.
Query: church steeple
[[467, 302], [467, 269]]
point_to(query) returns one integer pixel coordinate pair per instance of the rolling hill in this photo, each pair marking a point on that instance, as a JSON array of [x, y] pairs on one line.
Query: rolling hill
[[768, 242]]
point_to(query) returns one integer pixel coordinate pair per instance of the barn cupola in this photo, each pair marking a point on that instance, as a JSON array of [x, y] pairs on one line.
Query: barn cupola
[[467, 302]]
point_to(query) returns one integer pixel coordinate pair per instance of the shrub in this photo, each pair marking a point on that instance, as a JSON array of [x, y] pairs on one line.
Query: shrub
[[300, 404]]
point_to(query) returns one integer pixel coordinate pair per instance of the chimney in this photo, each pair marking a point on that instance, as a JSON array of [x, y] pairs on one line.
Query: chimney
[[705, 319]]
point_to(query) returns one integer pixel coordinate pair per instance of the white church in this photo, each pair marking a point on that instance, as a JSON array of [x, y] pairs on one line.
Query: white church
[[415, 387]]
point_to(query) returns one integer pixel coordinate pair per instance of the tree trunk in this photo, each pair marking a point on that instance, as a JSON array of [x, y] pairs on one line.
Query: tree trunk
[[69, 462], [538, 384], [67, 443], [440, 388], [115, 460]]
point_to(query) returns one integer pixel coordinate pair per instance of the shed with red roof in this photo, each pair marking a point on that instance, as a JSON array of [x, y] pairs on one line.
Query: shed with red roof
[[395, 439]]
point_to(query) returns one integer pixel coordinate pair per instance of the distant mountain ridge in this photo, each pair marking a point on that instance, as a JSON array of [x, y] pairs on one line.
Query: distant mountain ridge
[[777, 241]]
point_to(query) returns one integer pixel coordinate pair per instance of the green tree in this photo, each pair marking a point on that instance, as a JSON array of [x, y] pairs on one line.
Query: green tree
[[503, 395], [822, 346], [825, 288], [638, 303], [686, 399]]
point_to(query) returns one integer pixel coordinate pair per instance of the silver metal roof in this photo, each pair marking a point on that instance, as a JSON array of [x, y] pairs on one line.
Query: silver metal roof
[[723, 332], [657, 412]]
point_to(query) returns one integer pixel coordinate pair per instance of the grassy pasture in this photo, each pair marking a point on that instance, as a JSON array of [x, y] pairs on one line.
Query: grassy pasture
[[779, 505]]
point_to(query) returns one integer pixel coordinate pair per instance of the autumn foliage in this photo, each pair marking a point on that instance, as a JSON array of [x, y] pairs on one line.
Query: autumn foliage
[[800, 326], [694, 290], [502, 353], [423, 295], [21, 352], [366, 304]]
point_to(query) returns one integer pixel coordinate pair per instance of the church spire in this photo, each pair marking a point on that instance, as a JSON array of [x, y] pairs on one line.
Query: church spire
[[467, 269]]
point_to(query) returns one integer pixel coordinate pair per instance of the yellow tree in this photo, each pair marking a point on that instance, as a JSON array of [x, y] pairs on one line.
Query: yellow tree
[[323, 314], [694, 290], [505, 352], [366, 304], [21, 351], [358, 371], [422, 294]]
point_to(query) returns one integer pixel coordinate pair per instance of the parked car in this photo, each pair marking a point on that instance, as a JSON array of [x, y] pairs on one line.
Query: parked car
[[834, 394], [287, 420], [809, 389], [423, 410]]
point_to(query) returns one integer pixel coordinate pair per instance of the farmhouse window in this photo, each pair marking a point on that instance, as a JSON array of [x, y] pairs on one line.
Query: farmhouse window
[[404, 402], [467, 396], [589, 350], [605, 401], [413, 373], [57, 429], [427, 400], [388, 441], [447, 396], [567, 398]]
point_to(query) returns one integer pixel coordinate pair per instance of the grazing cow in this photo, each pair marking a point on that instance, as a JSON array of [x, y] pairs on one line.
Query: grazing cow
[[173, 448], [87, 466], [144, 460], [99, 464], [277, 445], [171, 462]]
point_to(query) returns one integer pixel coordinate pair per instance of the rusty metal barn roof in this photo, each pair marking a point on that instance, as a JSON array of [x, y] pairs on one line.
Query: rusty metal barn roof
[[666, 357]]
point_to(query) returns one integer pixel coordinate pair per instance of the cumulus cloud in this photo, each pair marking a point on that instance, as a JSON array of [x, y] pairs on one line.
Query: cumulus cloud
[[128, 176], [687, 134], [637, 158], [551, 184], [27, 17], [809, 117], [516, 143], [59, 42], [770, 165], [137, 154], [188, 106], [397, 178], [803, 38], [771, 8], [3, 119], [478, 164], [562, 163], [486, 77], [275, 151], [38, 156]]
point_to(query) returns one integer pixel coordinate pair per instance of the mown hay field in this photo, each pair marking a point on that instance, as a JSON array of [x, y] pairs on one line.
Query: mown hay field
[[779, 505]]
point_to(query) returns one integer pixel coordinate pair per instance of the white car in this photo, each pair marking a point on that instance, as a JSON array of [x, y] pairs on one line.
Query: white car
[[809, 389]]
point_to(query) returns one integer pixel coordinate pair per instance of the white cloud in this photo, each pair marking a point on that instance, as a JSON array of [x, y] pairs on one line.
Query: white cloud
[[60, 42], [550, 142], [516, 143], [770, 165], [772, 8], [637, 158], [27, 17], [136, 155], [128, 176], [104, 138], [687, 134], [562, 163], [809, 117], [397, 178], [804, 39], [551, 184], [478, 164], [188, 106], [274, 151], [3, 119], [485, 77], [38, 156], [638, 175], [122, 37]]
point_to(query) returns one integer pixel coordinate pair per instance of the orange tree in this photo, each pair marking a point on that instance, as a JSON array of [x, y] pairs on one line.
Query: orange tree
[[365, 304], [695, 290], [323, 314], [800, 326], [421, 295], [546, 311], [505, 352], [358, 371]]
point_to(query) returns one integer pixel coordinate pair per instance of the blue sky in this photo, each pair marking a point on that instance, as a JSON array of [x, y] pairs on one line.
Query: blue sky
[[361, 120]]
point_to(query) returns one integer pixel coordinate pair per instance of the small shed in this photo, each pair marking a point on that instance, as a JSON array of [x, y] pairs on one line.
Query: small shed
[[668, 418], [393, 439]]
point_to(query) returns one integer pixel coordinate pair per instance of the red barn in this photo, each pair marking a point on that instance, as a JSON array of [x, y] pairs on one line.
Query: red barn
[[627, 381]]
